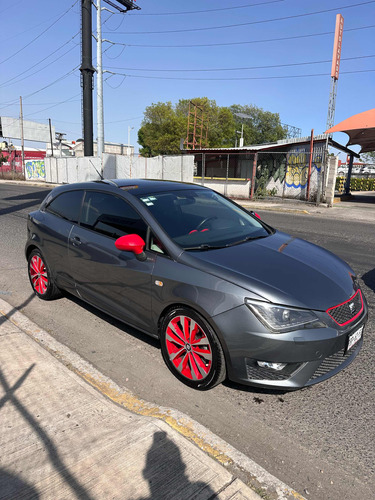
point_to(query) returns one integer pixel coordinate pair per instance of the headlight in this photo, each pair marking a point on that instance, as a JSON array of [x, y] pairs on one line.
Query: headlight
[[281, 319]]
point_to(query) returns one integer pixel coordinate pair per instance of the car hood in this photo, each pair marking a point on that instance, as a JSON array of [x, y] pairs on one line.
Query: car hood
[[281, 269]]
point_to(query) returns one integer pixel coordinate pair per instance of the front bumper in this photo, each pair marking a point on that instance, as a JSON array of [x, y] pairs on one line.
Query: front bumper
[[311, 355]]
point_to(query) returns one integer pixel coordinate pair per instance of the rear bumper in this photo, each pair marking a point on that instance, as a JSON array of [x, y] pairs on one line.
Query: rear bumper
[[311, 355]]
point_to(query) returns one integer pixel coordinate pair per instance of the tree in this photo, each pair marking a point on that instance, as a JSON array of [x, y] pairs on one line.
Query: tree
[[368, 157], [164, 125], [259, 126]]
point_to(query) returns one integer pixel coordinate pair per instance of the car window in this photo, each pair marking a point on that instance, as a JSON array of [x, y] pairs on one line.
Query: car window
[[202, 219], [67, 205], [109, 215]]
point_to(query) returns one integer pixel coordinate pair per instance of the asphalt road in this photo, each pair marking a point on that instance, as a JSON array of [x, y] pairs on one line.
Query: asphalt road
[[318, 440]]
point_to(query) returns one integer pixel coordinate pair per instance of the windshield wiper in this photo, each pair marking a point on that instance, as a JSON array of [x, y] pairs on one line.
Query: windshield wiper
[[248, 238], [204, 246]]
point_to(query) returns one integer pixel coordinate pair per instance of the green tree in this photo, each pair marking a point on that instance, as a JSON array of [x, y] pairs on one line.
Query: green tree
[[368, 157], [164, 125], [259, 126]]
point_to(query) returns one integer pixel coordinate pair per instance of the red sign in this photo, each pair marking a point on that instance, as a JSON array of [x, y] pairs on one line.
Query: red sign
[[337, 46]]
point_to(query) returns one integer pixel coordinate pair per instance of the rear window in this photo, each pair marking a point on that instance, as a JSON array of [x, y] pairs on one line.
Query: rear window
[[67, 205]]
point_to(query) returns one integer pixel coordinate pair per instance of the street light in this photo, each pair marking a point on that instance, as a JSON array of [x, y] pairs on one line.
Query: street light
[[129, 148]]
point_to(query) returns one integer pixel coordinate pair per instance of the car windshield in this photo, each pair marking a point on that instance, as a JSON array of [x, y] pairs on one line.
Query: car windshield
[[200, 219]]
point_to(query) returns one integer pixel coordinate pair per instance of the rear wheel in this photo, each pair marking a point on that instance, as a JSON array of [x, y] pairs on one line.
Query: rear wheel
[[40, 277], [191, 349]]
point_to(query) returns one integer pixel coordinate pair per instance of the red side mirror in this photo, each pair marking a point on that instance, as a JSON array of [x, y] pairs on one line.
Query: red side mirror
[[132, 243]]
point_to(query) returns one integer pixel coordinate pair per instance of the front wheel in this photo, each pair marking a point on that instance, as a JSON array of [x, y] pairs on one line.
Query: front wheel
[[40, 277], [191, 349]]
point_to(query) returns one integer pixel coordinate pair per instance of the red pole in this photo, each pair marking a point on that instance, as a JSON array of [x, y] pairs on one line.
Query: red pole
[[310, 164], [255, 161]]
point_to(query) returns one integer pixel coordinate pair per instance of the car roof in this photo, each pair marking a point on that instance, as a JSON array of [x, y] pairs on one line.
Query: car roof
[[134, 186]]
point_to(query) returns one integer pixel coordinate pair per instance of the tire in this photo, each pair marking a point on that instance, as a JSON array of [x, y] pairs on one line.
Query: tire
[[40, 277], [191, 349]]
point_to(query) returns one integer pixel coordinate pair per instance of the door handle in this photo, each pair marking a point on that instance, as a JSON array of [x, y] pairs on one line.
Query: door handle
[[76, 241]]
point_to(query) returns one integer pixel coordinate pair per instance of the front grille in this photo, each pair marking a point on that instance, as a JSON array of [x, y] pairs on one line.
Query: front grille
[[347, 311], [332, 362]]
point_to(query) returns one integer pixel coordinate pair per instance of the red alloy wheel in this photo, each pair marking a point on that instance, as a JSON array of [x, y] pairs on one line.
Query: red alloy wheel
[[188, 348], [38, 275]]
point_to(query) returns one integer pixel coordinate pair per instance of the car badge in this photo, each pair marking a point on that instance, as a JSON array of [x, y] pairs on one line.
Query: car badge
[[352, 307]]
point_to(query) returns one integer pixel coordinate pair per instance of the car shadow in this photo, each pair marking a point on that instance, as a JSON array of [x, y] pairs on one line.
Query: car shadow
[[253, 390], [369, 279], [120, 325]]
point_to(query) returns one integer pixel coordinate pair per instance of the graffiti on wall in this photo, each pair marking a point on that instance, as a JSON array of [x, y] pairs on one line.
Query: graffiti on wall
[[35, 170], [298, 167]]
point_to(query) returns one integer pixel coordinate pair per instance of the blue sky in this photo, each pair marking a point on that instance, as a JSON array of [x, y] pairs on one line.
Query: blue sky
[[40, 58]]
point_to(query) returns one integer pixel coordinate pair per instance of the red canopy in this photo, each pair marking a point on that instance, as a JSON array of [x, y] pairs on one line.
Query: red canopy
[[360, 129]]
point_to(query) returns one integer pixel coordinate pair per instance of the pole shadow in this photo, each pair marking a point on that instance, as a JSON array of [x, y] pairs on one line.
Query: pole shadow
[[53, 454]]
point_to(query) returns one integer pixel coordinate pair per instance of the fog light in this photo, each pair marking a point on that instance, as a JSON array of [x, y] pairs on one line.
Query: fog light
[[273, 366]]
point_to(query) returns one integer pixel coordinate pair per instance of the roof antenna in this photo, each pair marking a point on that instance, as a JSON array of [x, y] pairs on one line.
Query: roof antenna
[[97, 171]]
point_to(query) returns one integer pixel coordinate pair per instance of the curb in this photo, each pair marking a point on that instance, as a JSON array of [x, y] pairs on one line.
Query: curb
[[262, 482], [276, 209]]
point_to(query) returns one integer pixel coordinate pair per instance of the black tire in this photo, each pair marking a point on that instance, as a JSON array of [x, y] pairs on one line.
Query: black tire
[[197, 358], [40, 277]]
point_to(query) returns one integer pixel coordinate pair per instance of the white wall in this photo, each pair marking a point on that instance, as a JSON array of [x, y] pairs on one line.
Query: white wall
[[69, 170]]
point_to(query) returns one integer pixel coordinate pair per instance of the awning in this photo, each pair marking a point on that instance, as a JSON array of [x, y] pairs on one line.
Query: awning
[[360, 129]]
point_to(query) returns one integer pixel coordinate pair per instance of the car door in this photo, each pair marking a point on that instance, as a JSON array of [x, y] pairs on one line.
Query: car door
[[113, 280], [54, 228]]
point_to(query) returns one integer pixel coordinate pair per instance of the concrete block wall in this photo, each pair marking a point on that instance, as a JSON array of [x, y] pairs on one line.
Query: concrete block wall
[[69, 170], [332, 165]]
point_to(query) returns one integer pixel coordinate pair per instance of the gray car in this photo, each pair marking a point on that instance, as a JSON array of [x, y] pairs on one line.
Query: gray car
[[226, 294]]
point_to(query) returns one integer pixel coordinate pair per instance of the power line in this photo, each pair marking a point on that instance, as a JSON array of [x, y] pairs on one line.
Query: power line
[[239, 43], [7, 83], [40, 34], [244, 68], [56, 104], [296, 16], [207, 10], [236, 78], [10, 103]]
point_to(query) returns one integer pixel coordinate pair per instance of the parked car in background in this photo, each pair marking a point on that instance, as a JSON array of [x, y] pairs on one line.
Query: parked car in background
[[226, 294]]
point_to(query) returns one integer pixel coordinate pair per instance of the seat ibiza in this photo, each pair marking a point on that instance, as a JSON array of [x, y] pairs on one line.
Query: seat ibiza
[[226, 294]]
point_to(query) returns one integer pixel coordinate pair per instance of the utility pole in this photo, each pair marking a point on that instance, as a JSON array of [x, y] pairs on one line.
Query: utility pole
[[22, 139], [335, 70], [87, 71], [99, 91], [129, 148], [50, 135], [126, 5]]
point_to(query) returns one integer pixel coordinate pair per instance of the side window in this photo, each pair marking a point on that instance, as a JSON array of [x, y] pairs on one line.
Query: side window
[[111, 216], [156, 245], [67, 205]]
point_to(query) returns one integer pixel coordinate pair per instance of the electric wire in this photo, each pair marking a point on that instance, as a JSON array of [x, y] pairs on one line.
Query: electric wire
[[237, 78], [243, 68], [70, 99], [40, 34], [7, 83], [221, 44], [207, 10], [295, 16], [10, 103]]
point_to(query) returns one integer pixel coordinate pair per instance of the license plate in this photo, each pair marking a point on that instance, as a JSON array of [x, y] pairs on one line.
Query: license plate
[[354, 338]]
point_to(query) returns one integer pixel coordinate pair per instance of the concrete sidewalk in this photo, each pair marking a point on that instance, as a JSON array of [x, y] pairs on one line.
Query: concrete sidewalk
[[360, 206], [61, 438]]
